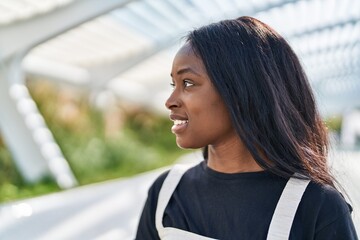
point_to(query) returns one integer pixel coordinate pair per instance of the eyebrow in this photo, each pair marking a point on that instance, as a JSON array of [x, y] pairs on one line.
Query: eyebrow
[[185, 70]]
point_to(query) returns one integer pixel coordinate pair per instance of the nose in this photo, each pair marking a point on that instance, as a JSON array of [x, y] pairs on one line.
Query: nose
[[173, 101]]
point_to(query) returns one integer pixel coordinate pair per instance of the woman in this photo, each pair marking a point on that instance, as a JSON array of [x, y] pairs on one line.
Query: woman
[[240, 93]]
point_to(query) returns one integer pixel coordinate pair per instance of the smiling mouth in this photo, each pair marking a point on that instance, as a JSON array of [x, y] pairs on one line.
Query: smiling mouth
[[179, 126], [180, 122]]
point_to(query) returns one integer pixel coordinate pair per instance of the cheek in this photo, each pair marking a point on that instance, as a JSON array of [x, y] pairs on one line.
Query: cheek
[[221, 117], [212, 118]]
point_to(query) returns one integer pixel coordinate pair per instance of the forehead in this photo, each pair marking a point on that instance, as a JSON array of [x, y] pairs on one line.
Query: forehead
[[186, 58]]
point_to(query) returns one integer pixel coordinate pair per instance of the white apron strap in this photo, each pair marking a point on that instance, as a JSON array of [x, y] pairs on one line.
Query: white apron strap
[[166, 191], [285, 210]]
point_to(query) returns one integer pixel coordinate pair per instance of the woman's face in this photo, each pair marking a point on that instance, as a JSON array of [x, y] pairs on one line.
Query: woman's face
[[199, 114]]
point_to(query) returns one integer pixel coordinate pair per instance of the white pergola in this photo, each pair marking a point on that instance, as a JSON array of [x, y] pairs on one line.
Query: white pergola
[[126, 47]]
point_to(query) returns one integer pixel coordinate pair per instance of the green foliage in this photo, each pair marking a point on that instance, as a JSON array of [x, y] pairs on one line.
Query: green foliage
[[140, 141], [334, 123], [12, 185], [152, 128], [8, 170]]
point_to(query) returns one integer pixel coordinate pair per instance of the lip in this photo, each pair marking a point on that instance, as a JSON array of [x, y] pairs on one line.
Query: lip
[[174, 117], [177, 129]]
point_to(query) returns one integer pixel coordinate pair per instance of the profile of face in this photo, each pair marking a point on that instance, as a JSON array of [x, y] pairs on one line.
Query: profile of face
[[199, 114]]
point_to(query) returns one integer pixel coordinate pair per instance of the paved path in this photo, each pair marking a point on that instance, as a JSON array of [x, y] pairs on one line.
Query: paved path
[[102, 211], [110, 210]]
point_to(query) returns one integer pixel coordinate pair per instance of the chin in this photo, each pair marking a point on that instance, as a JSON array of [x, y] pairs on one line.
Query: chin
[[188, 145]]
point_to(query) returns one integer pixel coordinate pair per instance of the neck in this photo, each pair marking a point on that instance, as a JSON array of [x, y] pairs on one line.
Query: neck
[[232, 157]]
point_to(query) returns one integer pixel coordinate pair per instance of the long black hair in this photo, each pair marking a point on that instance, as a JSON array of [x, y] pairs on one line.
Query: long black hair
[[267, 94]]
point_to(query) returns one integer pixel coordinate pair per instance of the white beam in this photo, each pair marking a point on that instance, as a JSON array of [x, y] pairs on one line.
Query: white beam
[[24, 35], [102, 74], [34, 66], [350, 128]]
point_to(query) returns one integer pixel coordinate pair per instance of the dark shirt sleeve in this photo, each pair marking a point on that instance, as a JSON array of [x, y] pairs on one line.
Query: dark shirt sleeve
[[340, 229], [146, 228], [336, 221]]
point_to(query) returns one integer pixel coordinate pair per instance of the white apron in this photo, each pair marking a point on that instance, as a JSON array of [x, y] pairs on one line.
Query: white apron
[[280, 224]]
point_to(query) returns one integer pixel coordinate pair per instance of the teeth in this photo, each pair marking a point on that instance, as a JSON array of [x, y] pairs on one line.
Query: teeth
[[179, 122]]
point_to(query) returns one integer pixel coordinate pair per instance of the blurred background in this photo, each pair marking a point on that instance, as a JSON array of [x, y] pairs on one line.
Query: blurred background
[[83, 127]]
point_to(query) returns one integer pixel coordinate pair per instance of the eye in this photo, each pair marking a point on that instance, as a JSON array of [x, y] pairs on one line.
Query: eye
[[172, 85], [188, 83]]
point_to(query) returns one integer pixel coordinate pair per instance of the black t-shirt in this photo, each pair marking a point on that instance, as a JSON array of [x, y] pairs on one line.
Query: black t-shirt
[[241, 205]]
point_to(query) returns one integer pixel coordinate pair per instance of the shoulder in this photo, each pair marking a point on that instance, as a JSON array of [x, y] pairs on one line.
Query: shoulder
[[323, 213], [331, 212], [190, 170], [157, 184], [327, 197], [325, 202]]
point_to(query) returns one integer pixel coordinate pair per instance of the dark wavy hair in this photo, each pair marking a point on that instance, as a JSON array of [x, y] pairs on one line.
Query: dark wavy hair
[[267, 94]]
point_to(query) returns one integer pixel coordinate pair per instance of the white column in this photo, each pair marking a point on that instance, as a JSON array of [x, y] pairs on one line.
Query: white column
[[350, 128], [32, 145]]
